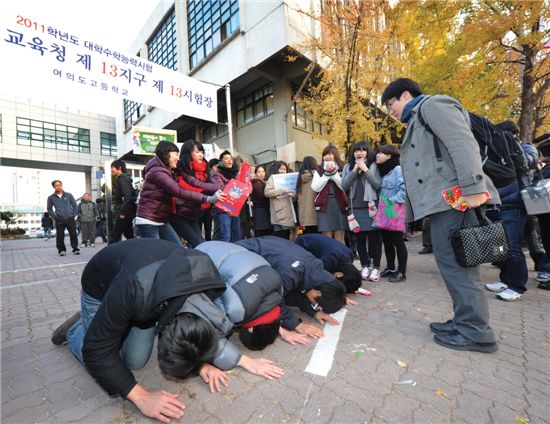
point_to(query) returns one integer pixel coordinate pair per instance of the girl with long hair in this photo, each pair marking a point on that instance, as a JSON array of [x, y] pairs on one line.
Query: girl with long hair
[[306, 196], [280, 205], [331, 202], [361, 180], [189, 216], [392, 188], [260, 205]]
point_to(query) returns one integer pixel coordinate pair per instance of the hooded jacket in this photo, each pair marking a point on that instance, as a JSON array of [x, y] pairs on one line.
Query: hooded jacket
[[124, 196], [159, 186], [253, 288], [142, 283], [300, 272], [331, 252]]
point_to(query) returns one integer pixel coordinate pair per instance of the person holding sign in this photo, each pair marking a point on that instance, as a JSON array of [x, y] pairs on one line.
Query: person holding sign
[[226, 227], [331, 203], [280, 203]]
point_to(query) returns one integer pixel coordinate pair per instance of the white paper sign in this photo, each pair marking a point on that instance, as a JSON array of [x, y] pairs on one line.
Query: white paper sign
[[285, 181], [46, 56]]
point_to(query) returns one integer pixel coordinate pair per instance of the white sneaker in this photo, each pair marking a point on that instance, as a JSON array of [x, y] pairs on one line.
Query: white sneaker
[[365, 272], [496, 287], [374, 275], [92, 245], [509, 295]]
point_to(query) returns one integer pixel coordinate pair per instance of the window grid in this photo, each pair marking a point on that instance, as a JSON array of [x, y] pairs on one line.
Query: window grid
[[0, 128], [255, 105], [162, 48], [108, 144], [210, 23], [132, 112], [31, 132]]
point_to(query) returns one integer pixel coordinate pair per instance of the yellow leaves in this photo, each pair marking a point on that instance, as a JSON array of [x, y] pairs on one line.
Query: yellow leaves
[[401, 364], [521, 420], [440, 392]]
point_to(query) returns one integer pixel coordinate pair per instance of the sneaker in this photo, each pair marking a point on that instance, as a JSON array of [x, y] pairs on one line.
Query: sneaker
[[509, 295], [544, 286], [397, 278], [374, 275], [543, 277], [387, 272], [496, 287], [92, 245], [62, 253], [76, 252], [59, 336], [365, 272], [455, 340]]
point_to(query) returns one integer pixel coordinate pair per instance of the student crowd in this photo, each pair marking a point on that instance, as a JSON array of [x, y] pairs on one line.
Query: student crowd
[[225, 280]]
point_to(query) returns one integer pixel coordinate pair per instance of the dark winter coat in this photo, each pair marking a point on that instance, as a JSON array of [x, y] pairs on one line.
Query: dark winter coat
[[190, 208], [125, 201], [159, 186], [140, 282], [300, 272], [47, 222], [331, 252], [62, 208]]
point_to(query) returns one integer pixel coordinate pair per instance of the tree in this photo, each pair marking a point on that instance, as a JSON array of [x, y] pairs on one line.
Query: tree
[[354, 45], [8, 218], [487, 53]]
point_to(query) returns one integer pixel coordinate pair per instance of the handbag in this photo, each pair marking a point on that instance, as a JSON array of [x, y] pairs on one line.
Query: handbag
[[390, 215], [352, 221], [483, 243]]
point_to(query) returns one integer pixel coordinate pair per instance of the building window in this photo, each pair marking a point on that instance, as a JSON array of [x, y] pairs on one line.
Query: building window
[[132, 112], [31, 132], [255, 105], [210, 23], [215, 131], [0, 128], [304, 120], [108, 144], [187, 134], [162, 48]]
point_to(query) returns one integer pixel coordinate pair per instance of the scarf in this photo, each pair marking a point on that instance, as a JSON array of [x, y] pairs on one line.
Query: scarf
[[386, 167], [199, 168], [406, 115], [266, 318], [228, 172]]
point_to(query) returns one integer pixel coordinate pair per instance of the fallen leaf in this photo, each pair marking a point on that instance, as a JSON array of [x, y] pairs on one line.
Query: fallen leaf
[[229, 372], [402, 364], [357, 353], [521, 420], [440, 392]]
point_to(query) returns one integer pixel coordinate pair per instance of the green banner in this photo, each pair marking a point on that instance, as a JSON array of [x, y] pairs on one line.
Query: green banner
[[145, 140]]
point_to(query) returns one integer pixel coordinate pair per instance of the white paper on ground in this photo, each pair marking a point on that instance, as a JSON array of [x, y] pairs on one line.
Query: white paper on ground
[[323, 354]]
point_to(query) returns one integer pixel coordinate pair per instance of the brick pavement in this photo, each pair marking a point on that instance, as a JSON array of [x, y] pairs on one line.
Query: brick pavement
[[44, 383]]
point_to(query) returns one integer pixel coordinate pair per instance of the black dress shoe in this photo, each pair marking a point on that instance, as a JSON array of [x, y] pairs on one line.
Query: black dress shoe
[[397, 278], [455, 340], [59, 336], [425, 251], [442, 327], [388, 273]]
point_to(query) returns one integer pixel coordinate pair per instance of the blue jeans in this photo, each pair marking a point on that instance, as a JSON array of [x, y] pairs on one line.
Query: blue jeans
[[47, 233], [229, 226], [164, 232], [513, 272], [137, 346]]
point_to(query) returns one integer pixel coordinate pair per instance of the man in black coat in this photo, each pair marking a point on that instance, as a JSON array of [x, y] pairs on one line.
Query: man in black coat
[[130, 287], [125, 203]]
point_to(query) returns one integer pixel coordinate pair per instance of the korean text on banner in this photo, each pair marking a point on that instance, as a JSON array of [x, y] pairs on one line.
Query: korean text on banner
[[145, 140], [44, 55]]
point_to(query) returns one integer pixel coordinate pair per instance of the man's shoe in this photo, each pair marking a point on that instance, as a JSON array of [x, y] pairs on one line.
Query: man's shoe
[[59, 336], [397, 278], [544, 286], [76, 252], [509, 295], [62, 253], [374, 275], [442, 327], [455, 340], [496, 287], [425, 251], [543, 277], [388, 272]]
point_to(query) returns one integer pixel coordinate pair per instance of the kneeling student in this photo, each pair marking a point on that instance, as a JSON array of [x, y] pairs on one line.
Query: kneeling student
[[136, 289]]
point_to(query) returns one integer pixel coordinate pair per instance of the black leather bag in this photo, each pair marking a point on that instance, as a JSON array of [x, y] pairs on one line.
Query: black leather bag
[[483, 243]]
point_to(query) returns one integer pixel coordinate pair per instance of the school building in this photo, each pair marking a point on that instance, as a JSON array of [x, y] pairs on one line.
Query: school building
[[243, 44]]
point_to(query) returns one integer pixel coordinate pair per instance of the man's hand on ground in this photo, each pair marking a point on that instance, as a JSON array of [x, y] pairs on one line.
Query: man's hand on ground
[[159, 405], [293, 337], [322, 317], [214, 377], [261, 366], [309, 330]]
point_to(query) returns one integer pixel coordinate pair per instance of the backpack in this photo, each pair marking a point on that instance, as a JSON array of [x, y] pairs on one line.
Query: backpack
[[517, 154], [496, 158]]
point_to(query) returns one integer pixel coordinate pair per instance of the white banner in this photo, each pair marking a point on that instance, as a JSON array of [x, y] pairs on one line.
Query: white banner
[[44, 56]]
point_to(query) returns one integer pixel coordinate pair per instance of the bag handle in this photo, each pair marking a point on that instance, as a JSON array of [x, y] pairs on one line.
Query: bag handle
[[480, 215]]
